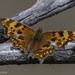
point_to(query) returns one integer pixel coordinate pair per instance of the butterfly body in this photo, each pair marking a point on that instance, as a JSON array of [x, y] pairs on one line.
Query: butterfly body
[[38, 43]]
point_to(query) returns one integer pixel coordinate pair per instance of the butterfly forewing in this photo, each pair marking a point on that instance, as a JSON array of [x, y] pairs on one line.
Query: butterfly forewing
[[59, 37], [13, 27]]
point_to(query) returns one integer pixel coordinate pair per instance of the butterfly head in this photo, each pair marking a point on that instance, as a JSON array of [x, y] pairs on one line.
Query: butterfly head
[[39, 30], [37, 35]]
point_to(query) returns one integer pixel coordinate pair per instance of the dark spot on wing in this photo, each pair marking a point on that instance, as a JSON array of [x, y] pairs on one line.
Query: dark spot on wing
[[53, 39], [59, 40], [18, 24], [63, 38], [21, 38], [53, 32], [14, 30], [53, 35], [61, 33], [22, 28], [70, 33], [19, 32], [46, 45], [11, 27]]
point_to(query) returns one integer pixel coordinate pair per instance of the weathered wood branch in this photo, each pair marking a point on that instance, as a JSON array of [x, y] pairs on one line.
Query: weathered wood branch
[[42, 9], [39, 11]]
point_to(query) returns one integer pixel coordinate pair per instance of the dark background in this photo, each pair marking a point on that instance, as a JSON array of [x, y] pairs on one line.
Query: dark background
[[62, 21]]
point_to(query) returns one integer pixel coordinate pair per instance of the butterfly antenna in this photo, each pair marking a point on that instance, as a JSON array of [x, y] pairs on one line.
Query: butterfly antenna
[[39, 30]]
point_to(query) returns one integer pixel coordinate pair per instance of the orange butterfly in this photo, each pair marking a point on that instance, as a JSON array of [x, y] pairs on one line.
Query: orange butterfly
[[39, 44]]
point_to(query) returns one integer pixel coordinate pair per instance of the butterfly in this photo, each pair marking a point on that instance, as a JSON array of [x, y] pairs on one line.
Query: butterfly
[[37, 43]]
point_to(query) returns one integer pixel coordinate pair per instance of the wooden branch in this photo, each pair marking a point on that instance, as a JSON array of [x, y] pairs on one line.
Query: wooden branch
[[42, 9], [39, 11]]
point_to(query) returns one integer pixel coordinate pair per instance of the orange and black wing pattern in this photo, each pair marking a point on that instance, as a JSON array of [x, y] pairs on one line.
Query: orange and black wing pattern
[[42, 50], [60, 38], [13, 27], [20, 42]]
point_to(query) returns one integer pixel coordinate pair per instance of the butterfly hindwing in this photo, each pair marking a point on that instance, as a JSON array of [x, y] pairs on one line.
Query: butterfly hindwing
[[42, 50], [20, 42]]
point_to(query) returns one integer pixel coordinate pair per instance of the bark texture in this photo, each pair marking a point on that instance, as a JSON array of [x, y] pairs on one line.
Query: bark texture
[[42, 9]]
